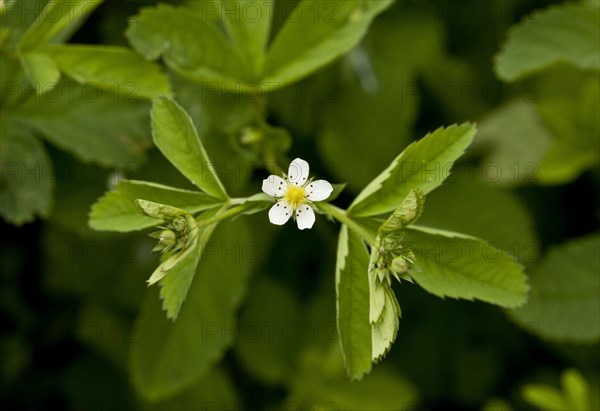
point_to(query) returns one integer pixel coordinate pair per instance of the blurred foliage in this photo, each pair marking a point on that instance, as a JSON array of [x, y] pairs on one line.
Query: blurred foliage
[[79, 329]]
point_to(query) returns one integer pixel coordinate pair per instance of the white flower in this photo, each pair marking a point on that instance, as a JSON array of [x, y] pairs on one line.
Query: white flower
[[296, 194]]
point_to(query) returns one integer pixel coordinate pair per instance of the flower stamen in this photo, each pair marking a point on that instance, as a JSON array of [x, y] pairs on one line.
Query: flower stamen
[[295, 196]]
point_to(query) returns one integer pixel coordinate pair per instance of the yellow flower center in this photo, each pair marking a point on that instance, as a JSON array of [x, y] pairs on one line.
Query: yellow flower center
[[295, 196]]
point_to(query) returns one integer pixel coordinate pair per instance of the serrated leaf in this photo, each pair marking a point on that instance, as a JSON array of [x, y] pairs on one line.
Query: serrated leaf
[[423, 165], [27, 177], [385, 329], [384, 309], [315, 34], [117, 211], [352, 288], [174, 288], [564, 304], [190, 44], [41, 70], [249, 24], [460, 266], [565, 33], [181, 273], [220, 119], [112, 68], [168, 357], [54, 19], [407, 213], [474, 208], [159, 211], [176, 137]]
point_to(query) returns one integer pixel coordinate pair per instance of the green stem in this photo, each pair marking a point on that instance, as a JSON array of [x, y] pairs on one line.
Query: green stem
[[232, 212], [340, 215]]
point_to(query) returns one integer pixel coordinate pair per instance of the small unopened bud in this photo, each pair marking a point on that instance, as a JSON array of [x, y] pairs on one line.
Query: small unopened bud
[[390, 243], [167, 237], [178, 223], [399, 264]]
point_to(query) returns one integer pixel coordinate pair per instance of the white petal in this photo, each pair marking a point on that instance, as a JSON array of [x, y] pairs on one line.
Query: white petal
[[274, 186], [298, 172], [305, 217], [319, 190], [280, 213]]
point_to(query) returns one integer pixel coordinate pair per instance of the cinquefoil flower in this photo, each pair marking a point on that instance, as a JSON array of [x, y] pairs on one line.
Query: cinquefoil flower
[[295, 193]]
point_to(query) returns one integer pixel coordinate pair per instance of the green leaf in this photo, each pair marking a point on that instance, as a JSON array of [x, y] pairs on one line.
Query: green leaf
[[117, 211], [566, 33], [315, 34], [408, 213], [41, 70], [190, 44], [249, 24], [54, 19], [389, 257], [27, 178], [564, 304], [174, 288], [384, 327], [460, 266], [176, 137], [232, 131], [168, 356], [352, 285], [88, 122], [514, 139], [180, 272], [112, 68], [575, 127], [423, 165], [220, 119], [475, 208]]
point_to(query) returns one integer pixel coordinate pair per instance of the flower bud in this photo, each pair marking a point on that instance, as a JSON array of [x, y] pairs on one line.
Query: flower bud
[[178, 223], [399, 264], [167, 237]]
